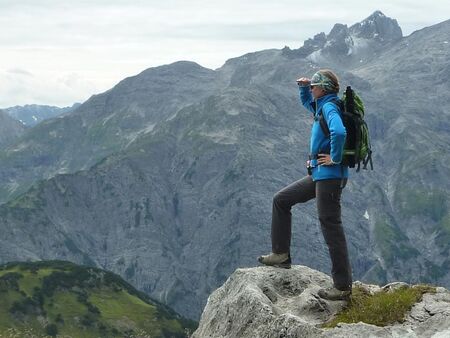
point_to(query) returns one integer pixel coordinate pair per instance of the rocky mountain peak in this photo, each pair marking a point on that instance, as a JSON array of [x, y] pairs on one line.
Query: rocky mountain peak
[[338, 31], [357, 43], [377, 26]]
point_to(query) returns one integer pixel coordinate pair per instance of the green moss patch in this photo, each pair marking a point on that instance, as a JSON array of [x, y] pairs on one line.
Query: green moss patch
[[382, 308]]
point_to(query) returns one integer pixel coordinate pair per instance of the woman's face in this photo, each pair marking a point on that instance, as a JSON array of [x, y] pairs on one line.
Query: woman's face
[[317, 91]]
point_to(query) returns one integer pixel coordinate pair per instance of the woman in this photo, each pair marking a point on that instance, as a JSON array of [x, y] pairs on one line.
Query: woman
[[325, 181]]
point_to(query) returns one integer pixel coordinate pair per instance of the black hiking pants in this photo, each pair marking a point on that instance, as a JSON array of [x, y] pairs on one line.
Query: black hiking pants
[[328, 199]]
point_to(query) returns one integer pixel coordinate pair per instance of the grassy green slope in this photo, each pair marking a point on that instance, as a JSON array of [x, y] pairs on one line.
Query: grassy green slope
[[57, 298]]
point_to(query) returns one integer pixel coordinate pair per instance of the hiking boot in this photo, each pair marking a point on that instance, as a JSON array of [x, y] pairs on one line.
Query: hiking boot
[[278, 260], [334, 294]]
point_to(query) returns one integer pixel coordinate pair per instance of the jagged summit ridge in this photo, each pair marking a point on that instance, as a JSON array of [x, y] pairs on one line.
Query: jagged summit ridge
[[355, 43]]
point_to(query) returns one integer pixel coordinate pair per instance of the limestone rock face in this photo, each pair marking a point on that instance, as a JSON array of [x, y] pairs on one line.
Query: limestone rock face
[[268, 302]]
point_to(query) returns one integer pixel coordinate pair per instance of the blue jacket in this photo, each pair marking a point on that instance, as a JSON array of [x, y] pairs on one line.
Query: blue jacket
[[320, 143]]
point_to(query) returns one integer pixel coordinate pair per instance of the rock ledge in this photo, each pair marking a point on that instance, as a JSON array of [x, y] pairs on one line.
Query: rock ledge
[[268, 302]]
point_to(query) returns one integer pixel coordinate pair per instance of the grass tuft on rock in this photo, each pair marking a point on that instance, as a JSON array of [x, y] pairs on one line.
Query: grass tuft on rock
[[382, 308]]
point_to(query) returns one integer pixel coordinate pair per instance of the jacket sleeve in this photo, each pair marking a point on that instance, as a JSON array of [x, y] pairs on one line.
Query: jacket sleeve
[[306, 98], [337, 131]]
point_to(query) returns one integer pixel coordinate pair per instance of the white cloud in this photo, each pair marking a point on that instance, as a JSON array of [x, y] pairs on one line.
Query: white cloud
[[78, 48], [21, 87], [19, 71]]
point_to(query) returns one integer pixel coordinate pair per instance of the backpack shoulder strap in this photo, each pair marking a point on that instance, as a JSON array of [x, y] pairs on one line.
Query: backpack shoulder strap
[[323, 123]]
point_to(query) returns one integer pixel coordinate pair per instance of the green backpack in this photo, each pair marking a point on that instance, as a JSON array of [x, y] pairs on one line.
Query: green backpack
[[357, 147]]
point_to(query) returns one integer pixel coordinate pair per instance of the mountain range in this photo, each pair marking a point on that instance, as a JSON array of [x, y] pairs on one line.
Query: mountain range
[[32, 114], [167, 178]]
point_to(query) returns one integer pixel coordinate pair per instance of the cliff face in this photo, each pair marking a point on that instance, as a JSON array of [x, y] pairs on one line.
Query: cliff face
[[268, 302], [180, 164]]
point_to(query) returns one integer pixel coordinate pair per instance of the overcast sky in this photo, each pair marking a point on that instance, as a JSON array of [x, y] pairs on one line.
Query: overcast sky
[[59, 52]]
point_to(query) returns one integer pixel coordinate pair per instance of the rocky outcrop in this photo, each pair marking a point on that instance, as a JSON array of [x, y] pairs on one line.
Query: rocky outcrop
[[268, 302]]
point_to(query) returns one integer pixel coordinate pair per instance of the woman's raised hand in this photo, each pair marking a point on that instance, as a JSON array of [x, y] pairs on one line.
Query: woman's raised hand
[[303, 81]]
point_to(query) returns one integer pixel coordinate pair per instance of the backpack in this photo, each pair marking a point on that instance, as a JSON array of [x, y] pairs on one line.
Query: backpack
[[357, 147]]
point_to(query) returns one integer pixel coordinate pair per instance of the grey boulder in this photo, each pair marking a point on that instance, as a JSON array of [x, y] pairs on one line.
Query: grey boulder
[[266, 302]]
